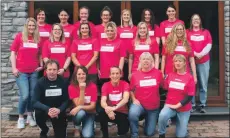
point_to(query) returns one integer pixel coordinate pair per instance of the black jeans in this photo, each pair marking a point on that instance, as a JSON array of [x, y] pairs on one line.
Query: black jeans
[[121, 119], [59, 124]]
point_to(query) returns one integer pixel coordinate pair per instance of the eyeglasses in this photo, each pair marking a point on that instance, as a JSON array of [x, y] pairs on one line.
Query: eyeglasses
[[180, 29]]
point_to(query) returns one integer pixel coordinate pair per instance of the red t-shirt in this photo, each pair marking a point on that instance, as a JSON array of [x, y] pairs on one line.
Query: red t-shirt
[[179, 86], [199, 40], [100, 32], [166, 27], [145, 86], [27, 54], [154, 32], [178, 50], [57, 51], [84, 50], [153, 48], [115, 94], [77, 25], [90, 93], [110, 54], [69, 32], [44, 32]]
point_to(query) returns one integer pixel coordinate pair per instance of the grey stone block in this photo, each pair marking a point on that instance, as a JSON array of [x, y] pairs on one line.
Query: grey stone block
[[227, 40], [226, 3], [19, 28], [19, 9], [5, 56], [23, 4], [10, 14], [6, 87], [7, 24], [3, 75], [14, 99], [22, 14], [9, 93], [6, 69], [7, 81], [227, 18], [6, 20], [7, 28], [19, 21], [227, 30]]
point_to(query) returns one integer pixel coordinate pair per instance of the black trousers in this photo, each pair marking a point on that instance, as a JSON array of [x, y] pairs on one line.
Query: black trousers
[[121, 119], [59, 124]]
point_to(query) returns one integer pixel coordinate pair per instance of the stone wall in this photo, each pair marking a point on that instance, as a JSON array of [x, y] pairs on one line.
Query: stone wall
[[13, 16]]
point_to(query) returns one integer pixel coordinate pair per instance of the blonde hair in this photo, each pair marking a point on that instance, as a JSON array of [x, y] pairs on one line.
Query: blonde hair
[[113, 25], [36, 36], [180, 57], [137, 39], [145, 55], [62, 39], [130, 21], [172, 40]]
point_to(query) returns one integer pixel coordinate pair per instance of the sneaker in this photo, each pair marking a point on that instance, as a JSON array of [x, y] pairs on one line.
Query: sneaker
[[21, 123], [30, 121], [193, 109], [202, 109]]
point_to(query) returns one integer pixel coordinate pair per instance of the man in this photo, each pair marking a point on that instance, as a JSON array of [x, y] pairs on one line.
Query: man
[[50, 100], [115, 96]]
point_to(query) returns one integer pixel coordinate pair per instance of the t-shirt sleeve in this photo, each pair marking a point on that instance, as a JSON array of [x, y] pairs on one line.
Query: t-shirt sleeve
[[162, 29], [74, 47], [155, 47], [73, 92], [132, 83], [94, 90], [96, 45], [16, 43], [191, 87], [104, 90], [126, 87], [68, 47], [45, 50], [209, 37]]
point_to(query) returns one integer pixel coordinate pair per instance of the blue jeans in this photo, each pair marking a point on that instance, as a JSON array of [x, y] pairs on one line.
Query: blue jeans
[[87, 121], [181, 123], [202, 78], [150, 116], [26, 83]]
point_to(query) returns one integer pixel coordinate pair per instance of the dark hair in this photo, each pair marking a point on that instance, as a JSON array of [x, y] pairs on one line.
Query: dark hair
[[65, 10], [37, 11], [152, 19], [116, 68], [171, 6], [106, 8], [80, 35], [191, 26], [52, 61], [85, 7], [74, 78]]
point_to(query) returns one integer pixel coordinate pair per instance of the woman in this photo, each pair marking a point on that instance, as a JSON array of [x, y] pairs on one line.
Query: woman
[[201, 42], [85, 51], [57, 48], [177, 43], [83, 93], [142, 43], [26, 62], [181, 88], [149, 18], [167, 25], [144, 93], [106, 15]]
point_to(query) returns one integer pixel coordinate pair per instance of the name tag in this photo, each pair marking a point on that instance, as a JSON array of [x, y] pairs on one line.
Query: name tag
[[180, 49], [87, 99], [197, 38], [107, 49], [57, 50], [103, 35], [126, 35], [85, 47], [44, 34], [151, 33], [115, 97], [30, 45], [142, 47], [149, 82], [67, 34], [53, 92], [168, 30], [176, 85]]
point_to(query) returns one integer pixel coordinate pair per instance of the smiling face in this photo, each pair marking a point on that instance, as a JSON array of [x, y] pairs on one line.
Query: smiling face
[[81, 76], [115, 74], [179, 63], [52, 71], [196, 21], [41, 17], [143, 30], [147, 16], [31, 27], [126, 16], [84, 14], [171, 12], [105, 16], [145, 63], [110, 32], [63, 16], [84, 30], [57, 31], [180, 31]]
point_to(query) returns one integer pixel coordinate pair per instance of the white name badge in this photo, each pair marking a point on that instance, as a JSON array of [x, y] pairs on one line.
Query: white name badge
[[30, 45], [44, 34], [53, 92], [126, 35], [142, 47], [107, 49], [168, 30], [87, 99], [176, 85], [197, 38], [85, 47], [149, 82], [103, 35], [57, 50], [115, 97], [151, 33], [67, 34], [180, 49]]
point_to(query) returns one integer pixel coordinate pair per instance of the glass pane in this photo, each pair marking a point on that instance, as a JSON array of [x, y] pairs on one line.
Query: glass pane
[[209, 15]]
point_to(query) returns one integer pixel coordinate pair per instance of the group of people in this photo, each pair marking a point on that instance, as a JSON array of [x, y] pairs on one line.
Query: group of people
[[123, 60]]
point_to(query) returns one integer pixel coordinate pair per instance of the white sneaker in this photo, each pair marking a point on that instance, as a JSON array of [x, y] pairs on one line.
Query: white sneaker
[[21, 123], [30, 121]]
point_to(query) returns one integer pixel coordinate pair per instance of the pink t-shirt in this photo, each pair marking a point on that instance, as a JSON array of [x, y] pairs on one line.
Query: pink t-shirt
[[154, 32], [115, 94], [166, 27], [152, 48], [84, 50], [110, 55], [44, 32], [199, 40], [77, 25], [57, 51], [69, 33], [179, 86], [27, 54], [180, 49], [100, 32], [90, 93], [145, 86]]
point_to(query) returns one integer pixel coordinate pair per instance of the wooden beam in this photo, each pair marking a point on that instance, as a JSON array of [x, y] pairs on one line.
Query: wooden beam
[[128, 5], [176, 4], [122, 5], [75, 11], [31, 9]]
